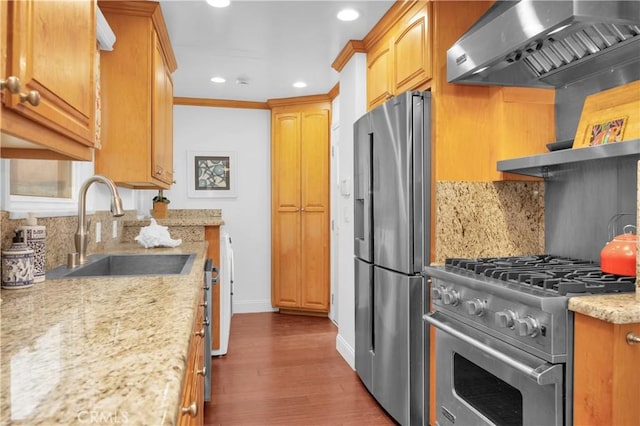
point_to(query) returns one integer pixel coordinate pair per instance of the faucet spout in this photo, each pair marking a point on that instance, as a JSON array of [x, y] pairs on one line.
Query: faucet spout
[[82, 232]]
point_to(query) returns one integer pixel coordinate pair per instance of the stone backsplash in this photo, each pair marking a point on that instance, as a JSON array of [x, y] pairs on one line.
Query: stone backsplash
[[61, 231], [475, 219]]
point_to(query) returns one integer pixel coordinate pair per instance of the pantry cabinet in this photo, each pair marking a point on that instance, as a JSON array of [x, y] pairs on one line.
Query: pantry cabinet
[[300, 206], [606, 380], [137, 98], [401, 59], [49, 112]]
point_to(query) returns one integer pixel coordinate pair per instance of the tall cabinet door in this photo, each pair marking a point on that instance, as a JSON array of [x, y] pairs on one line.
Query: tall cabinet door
[[314, 169], [300, 207], [286, 252]]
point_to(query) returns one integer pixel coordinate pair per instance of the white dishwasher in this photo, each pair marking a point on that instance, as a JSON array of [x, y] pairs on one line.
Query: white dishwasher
[[225, 281]]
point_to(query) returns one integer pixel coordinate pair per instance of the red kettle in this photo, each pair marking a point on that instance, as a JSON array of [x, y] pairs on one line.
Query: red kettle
[[618, 256]]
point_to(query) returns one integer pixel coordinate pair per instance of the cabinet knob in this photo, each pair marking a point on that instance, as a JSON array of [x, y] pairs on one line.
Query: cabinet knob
[[191, 410], [199, 333], [202, 372], [633, 339], [33, 97], [12, 83]]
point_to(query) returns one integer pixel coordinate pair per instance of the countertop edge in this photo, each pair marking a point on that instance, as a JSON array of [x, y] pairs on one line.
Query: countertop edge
[[612, 308]]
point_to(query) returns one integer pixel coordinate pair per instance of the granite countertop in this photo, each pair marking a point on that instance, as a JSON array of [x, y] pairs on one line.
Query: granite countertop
[[178, 221], [99, 350], [612, 308]]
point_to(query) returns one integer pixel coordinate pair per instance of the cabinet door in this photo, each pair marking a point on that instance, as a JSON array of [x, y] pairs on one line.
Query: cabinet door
[[379, 73], [162, 136], [606, 383], [53, 47], [412, 50], [285, 190], [314, 168]]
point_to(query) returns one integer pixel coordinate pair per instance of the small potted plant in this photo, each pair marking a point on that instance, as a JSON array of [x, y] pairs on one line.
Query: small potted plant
[[160, 205]]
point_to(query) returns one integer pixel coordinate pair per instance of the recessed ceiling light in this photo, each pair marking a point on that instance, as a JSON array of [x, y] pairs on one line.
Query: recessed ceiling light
[[218, 79], [348, 15], [299, 84], [218, 3]]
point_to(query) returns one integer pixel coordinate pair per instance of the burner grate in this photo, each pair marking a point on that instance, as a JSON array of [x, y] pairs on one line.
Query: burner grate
[[553, 274]]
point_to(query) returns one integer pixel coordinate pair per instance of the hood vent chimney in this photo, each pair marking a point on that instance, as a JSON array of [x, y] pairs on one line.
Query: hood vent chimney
[[534, 43]]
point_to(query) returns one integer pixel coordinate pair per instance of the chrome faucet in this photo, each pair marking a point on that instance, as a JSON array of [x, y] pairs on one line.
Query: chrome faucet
[[82, 233]]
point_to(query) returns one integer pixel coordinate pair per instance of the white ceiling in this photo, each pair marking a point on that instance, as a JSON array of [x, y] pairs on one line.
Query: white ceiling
[[270, 44]]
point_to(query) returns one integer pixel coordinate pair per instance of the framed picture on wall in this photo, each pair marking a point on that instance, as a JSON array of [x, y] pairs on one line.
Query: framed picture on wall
[[211, 174]]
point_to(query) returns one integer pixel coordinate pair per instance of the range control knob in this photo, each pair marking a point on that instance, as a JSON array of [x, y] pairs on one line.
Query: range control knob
[[527, 326], [450, 297], [474, 307], [436, 293], [506, 318]]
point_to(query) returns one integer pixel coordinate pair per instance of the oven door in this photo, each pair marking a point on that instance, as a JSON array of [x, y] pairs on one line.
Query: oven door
[[481, 380]]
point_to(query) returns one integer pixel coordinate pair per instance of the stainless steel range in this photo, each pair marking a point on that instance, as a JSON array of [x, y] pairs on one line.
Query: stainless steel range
[[504, 336]]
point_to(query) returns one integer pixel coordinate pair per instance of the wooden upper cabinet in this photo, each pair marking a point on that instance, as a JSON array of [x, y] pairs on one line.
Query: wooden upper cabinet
[[379, 73], [51, 48], [162, 118], [401, 59], [137, 97], [412, 49]]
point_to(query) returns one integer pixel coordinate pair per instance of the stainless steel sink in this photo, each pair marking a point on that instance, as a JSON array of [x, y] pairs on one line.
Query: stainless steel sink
[[127, 264]]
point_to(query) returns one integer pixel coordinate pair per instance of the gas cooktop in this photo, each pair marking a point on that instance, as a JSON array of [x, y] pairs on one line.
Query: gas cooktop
[[553, 274]]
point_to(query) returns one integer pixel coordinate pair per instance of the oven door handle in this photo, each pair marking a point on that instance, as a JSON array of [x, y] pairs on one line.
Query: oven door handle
[[544, 374]]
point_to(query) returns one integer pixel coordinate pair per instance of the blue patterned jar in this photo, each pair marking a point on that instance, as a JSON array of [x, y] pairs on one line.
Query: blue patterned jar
[[17, 264]]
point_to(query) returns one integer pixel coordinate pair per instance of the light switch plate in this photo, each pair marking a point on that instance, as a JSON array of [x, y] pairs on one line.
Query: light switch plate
[[114, 232], [98, 232]]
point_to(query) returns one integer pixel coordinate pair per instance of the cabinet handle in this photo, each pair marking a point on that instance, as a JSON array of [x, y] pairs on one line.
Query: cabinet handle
[[33, 97], [12, 83], [632, 338], [191, 410], [199, 333], [202, 372]]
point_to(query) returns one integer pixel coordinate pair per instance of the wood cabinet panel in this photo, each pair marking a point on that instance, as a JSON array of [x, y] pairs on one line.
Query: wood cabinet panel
[[412, 49], [379, 70], [212, 236], [401, 59], [51, 48], [300, 207], [606, 383], [193, 383], [137, 137]]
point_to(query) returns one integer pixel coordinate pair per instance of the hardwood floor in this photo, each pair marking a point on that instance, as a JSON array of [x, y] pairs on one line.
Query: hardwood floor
[[285, 370]]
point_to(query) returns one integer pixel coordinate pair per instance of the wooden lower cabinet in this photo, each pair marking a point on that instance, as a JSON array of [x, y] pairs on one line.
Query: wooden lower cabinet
[[300, 207], [192, 400], [606, 382]]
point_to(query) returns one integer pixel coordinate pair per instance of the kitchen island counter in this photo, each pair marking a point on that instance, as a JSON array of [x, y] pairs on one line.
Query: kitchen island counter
[[612, 308], [99, 350]]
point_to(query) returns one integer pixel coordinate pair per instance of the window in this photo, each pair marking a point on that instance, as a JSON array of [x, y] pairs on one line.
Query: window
[[48, 187], [41, 178]]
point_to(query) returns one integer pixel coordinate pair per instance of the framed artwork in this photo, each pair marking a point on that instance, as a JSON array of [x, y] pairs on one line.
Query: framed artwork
[[211, 174], [604, 132]]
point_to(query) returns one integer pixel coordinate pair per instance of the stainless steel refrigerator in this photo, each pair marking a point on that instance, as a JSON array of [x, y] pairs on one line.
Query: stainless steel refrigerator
[[392, 233]]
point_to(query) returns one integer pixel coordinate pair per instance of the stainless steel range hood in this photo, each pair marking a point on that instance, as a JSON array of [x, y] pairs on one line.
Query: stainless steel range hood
[[536, 43]]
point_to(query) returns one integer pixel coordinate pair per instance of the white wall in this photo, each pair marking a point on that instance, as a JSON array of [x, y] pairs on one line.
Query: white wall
[[246, 132], [353, 104]]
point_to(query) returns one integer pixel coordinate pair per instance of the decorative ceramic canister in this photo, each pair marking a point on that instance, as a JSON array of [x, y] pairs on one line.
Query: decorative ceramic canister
[[17, 264], [35, 237]]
